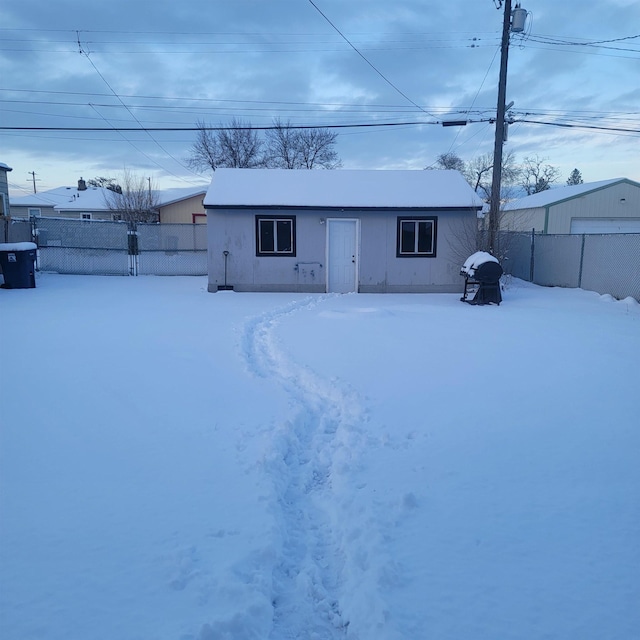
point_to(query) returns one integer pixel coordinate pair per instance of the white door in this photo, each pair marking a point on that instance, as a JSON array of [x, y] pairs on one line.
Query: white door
[[342, 255]]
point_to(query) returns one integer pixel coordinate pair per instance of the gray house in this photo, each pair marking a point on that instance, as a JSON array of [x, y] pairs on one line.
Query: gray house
[[338, 231]]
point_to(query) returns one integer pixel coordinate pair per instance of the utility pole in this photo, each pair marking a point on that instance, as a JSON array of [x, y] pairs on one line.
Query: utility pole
[[494, 204], [513, 21], [33, 175]]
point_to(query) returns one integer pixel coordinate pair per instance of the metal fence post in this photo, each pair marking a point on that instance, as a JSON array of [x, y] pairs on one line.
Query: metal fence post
[[532, 260], [581, 262]]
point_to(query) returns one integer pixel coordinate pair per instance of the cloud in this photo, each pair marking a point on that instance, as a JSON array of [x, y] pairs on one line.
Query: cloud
[[253, 60]]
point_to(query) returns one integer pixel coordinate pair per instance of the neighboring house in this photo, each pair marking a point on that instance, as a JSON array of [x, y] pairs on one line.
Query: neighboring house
[[609, 206], [182, 205], [4, 189], [338, 230], [91, 203], [85, 203]]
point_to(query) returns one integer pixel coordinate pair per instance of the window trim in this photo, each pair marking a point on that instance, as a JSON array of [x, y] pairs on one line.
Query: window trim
[[34, 212], [415, 253], [275, 252]]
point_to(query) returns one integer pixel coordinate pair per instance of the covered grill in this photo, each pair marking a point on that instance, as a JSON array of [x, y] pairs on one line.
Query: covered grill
[[481, 273]]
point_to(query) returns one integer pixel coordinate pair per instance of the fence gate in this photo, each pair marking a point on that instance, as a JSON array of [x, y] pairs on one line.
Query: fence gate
[[83, 247]]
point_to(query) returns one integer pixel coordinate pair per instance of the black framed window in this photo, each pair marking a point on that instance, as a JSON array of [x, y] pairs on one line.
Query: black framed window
[[275, 235], [417, 237]]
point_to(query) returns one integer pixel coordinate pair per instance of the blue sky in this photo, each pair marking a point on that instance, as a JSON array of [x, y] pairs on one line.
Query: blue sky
[[168, 64]]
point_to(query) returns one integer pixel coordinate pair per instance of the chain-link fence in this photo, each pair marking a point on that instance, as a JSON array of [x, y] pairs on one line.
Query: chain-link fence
[[611, 264], [172, 249], [15, 230], [92, 247], [87, 247], [608, 263]]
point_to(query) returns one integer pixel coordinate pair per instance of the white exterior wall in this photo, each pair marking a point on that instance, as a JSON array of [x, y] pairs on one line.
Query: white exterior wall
[[380, 270]]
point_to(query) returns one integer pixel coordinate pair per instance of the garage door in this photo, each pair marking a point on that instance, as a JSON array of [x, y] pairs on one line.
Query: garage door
[[605, 225]]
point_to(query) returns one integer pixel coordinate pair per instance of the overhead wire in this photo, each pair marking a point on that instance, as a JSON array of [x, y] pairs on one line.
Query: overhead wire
[[391, 84], [88, 57], [545, 42]]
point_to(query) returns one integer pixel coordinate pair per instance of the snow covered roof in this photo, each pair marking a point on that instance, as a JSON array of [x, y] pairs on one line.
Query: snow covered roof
[[66, 198], [93, 198], [558, 194], [169, 196], [5, 167], [340, 188]]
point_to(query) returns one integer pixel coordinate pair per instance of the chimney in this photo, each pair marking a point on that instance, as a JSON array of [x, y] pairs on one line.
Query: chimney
[[82, 185]]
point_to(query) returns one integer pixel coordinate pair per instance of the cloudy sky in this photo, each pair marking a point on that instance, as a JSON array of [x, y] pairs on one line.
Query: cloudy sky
[[140, 64]]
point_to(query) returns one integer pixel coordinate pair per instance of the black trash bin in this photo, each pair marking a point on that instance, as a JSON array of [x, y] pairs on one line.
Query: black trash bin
[[481, 273], [18, 263]]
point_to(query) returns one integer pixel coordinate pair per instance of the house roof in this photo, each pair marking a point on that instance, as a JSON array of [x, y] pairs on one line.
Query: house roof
[[66, 198], [560, 194], [340, 188], [5, 167], [169, 196], [94, 198]]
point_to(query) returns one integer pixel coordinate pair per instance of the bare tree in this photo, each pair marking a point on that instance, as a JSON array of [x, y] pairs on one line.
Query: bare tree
[[234, 145], [317, 148], [536, 176], [137, 200], [281, 149], [450, 160], [472, 236], [290, 148], [239, 146], [204, 151], [479, 174]]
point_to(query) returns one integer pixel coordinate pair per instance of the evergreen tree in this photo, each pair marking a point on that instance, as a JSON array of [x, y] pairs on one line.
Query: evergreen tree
[[575, 178]]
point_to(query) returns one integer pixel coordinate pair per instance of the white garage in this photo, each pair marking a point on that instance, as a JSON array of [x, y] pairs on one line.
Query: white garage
[[609, 206]]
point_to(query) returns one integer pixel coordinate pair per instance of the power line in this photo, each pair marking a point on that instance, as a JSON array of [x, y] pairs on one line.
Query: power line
[[567, 125], [87, 56], [370, 125], [391, 84], [220, 128], [475, 98]]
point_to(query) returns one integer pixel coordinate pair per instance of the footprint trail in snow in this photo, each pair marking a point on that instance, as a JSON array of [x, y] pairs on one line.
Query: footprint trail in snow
[[308, 573]]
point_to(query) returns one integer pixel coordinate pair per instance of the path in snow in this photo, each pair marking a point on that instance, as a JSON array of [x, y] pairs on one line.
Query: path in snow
[[307, 449]]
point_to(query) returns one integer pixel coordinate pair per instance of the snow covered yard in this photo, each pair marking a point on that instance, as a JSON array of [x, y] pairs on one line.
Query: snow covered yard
[[178, 465]]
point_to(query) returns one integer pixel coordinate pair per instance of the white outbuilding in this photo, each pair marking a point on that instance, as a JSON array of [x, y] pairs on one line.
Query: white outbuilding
[[608, 206], [338, 230]]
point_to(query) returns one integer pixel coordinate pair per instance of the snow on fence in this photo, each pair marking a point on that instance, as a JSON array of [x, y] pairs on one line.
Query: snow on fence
[[607, 263]]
